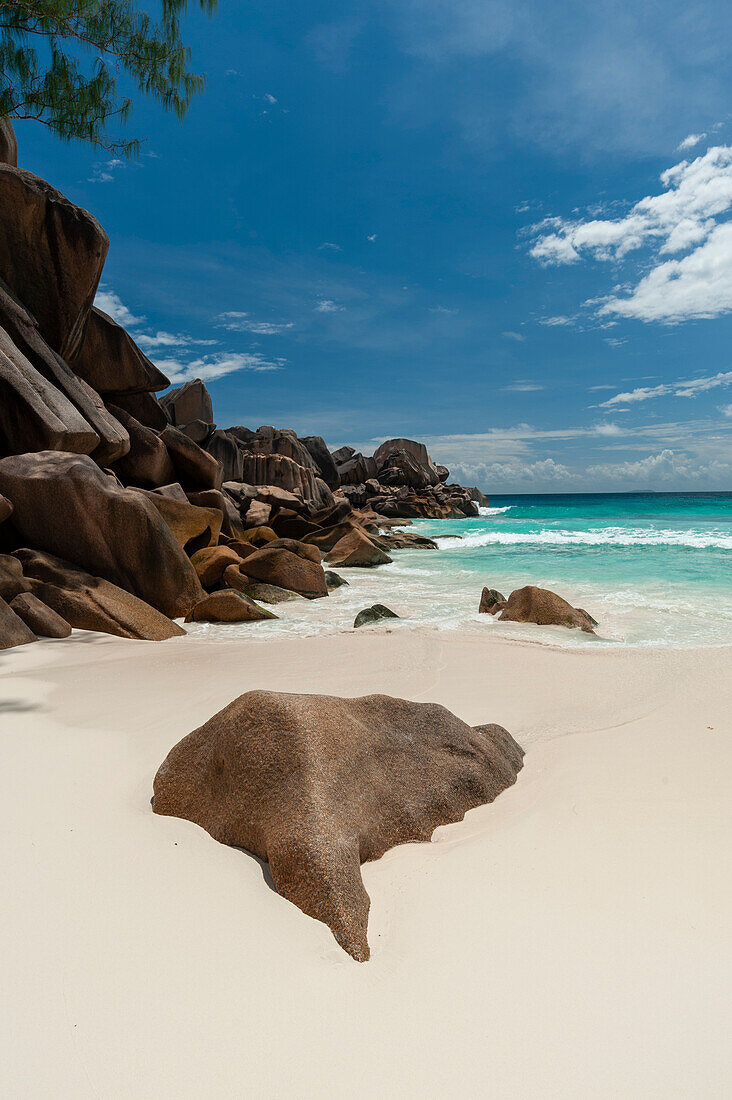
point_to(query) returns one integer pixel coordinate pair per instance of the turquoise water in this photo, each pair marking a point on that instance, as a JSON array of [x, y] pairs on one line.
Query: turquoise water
[[653, 569]]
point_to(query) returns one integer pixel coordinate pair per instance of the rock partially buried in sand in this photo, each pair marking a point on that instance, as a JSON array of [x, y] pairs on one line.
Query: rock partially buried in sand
[[317, 785], [39, 618], [13, 631], [491, 601], [374, 614], [539, 605], [227, 606]]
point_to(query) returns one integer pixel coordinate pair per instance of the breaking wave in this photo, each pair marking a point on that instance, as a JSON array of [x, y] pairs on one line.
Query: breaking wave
[[483, 511], [606, 536]]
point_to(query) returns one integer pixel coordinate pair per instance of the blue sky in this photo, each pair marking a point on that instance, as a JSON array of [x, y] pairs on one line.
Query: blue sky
[[503, 228]]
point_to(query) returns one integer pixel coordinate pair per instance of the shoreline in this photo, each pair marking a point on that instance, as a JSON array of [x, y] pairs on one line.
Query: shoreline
[[583, 913]]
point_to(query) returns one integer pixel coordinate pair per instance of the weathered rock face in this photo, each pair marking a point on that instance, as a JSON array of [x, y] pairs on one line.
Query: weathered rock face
[[12, 581], [373, 614], [193, 526], [225, 450], [539, 605], [65, 505], [317, 785], [491, 601], [111, 362], [147, 463], [275, 441], [323, 459], [13, 631], [228, 606], [188, 403], [211, 562], [34, 414], [51, 256], [23, 330], [6, 509], [393, 449], [194, 467], [356, 549], [8, 143], [281, 567], [145, 408], [40, 619], [92, 603]]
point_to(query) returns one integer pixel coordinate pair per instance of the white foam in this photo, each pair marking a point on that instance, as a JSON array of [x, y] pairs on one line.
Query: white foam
[[483, 511], [606, 536]]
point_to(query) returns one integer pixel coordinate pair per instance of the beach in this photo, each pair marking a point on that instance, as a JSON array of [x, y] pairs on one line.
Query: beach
[[569, 939]]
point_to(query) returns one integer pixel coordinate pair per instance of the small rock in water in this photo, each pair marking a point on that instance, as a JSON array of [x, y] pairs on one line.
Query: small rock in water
[[270, 593], [491, 601], [333, 580], [373, 614]]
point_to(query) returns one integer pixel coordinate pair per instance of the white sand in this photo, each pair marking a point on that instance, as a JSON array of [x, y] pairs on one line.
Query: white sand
[[570, 940]]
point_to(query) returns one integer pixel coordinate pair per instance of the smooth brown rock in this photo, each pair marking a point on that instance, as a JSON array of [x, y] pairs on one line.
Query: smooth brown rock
[[23, 330], [8, 143], [225, 450], [227, 606], [145, 408], [323, 459], [491, 601], [38, 617], [317, 785], [6, 509], [403, 540], [92, 603], [231, 524], [385, 456], [258, 536], [51, 256], [187, 403], [65, 505], [194, 467], [211, 562], [111, 362], [287, 570], [13, 631], [192, 525], [302, 549], [147, 463], [12, 581], [268, 593], [34, 414], [356, 549], [539, 605], [374, 614], [257, 514]]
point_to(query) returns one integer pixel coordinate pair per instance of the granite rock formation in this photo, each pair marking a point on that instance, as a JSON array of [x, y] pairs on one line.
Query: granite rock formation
[[539, 605], [317, 785]]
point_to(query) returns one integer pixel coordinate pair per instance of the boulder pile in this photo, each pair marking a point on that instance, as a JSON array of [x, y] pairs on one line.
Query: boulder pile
[[123, 506], [317, 785]]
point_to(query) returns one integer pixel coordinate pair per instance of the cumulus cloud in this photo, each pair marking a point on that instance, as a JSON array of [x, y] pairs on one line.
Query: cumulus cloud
[[235, 321], [103, 172], [667, 467], [111, 304], [689, 388], [683, 218], [326, 305], [209, 367], [690, 141]]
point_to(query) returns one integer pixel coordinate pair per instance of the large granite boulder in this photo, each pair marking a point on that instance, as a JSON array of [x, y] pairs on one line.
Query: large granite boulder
[[8, 143], [275, 441], [34, 414], [145, 408], [13, 631], [40, 619], [112, 440], [111, 362], [225, 450], [356, 549], [12, 581], [147, 463], [385, 455], [211, 561], [401, 468], [227, 606], [195, 468], [66, 505], [317, 785], [188, 403], [281, 567], [323, 459], [6, 509], [264, 468], [194, 526], [354, 470], [92, 603], [51, 256], [546, 608]]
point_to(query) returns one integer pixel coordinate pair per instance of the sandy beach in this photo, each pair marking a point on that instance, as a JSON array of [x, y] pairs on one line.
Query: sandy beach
[[571, 939]]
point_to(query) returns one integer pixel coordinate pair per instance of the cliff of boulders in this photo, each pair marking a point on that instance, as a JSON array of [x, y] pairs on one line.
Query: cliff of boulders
[[123, 506]]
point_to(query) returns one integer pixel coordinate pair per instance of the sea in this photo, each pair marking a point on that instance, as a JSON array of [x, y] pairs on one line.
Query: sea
[[654, 569]]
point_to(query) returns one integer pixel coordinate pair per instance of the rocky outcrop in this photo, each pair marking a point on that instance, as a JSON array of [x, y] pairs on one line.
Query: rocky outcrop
[[373, 614], [111, 362], [194, 467], [356, 549], [285, 569], [51, 256], [316, 785], [227, 606], [147, 463], [323, 459], [40, 619], [13, 631], [93, 603], [8, 143], [64, 504], [491, 601], [539, 605], [188, 404]]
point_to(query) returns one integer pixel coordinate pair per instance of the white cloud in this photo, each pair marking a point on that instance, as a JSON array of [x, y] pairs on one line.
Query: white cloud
[[111, 304], [689, 388], [150, 341], [328, 246], [208, 367], [726, 410], [242, 322], [608, 429], [269, 97], [555, 322], [690, 141], [103, 172], [514, 336], [372, 237], [523, 387], [325, 305]]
